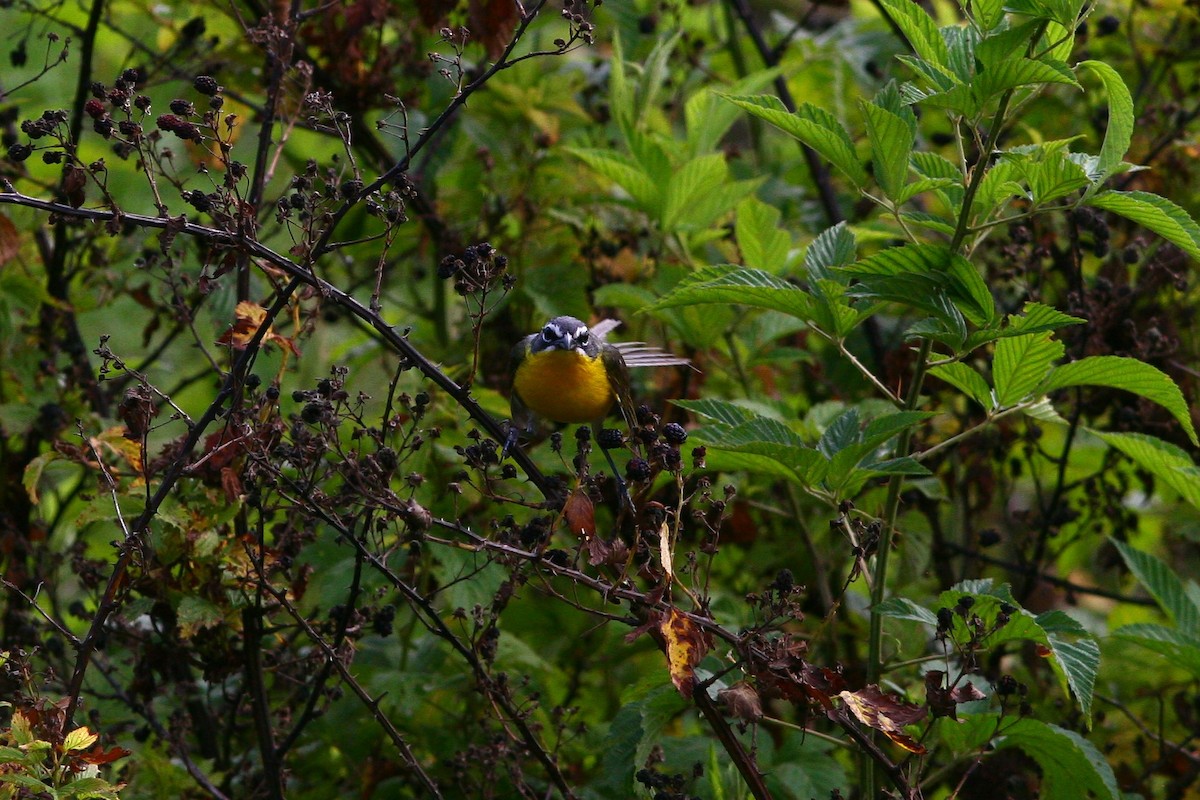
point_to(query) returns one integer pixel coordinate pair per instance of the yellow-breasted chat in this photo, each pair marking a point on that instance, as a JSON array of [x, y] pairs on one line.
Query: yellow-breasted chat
[[567, 372]]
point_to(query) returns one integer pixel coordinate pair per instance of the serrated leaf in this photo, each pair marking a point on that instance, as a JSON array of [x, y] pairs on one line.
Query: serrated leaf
[[728, 283], [892, 141], [79, 739], [1021, 363], [623, 171], [1076, 655], [834, 247], [1119, 132], [1037, 317], [1155, 213], [1071, 765], [903, 608], [1129, 374], [1043, 411], [1164, 460], [762, 243], [689, 188], [1167, 588], [987, 13], [721, 411], [923, 276], [966, 380], [921, 185], [1180, 649], [708, 119], [813, 126], [919, 29]]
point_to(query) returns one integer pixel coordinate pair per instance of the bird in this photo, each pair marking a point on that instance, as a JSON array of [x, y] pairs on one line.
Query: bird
[[568, 373]]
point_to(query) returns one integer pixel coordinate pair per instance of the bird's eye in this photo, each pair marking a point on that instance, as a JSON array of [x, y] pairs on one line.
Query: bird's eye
[[547, 334], [583, 337]]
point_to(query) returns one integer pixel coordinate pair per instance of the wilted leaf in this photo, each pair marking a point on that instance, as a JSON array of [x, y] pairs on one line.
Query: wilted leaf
[[247, 319], [74, 180], [944, 701], [685, 644], [742, 701], [580, 515], [885, 713], [10, 240]]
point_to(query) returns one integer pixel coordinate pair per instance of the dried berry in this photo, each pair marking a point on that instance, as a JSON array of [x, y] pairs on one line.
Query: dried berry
[[206, 85], [19, 152]]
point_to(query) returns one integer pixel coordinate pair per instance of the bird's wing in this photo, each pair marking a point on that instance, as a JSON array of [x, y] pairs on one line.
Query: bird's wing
[[618, 379], [523, 418], [640, 354], [604, 327]]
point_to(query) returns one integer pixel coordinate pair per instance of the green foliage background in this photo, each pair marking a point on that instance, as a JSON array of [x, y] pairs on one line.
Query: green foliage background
[[945, 346]]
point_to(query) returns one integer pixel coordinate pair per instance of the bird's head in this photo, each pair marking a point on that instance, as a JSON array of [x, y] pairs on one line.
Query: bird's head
[[565, 333]]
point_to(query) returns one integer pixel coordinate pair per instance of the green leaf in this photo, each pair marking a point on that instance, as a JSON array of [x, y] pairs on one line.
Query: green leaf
[[1021, 363], [1071, 765], [1049, 173], [892, 137], [1076, 655], [833, 248], [769, 446], [1155, 213], [903, 608], [1130, 374], [922, 276], [727, 283], [708, 118], [1179, 648], [721, 411], [1164, 460], [625, 172], [987, 13], [623, 295], [1119, 133], [690, 189], [1037, 317], [814, 126], [764, 246], [966, 380], [969, 99], [1167, 588], [919, 29]]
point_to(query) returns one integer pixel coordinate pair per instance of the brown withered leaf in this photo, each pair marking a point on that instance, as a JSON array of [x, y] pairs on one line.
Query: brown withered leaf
[[10, 240], [580, 514], [943, 702], [493, 23], [742, 701], [137, 411], [886, 713], [74, 180], [685, 643], [247, 319]]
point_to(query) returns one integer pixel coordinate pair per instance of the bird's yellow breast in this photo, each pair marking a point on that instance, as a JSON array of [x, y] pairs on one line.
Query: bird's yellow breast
[[564, 386]]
